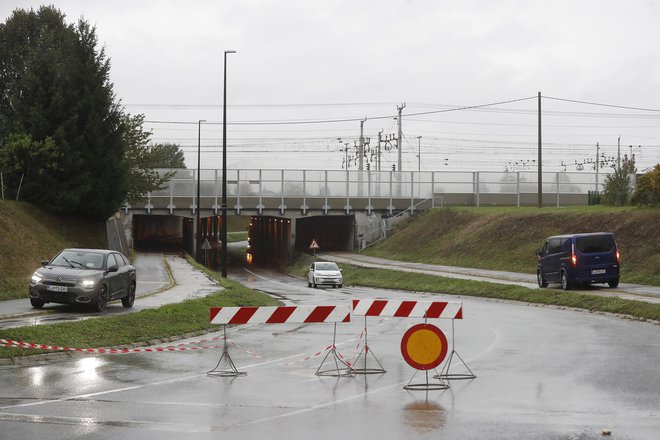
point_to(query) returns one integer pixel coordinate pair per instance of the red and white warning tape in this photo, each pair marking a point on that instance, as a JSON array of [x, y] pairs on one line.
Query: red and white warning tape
[[318, 353], [19, 344]]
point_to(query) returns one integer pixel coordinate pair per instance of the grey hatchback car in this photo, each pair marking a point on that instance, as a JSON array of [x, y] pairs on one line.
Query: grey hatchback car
[[84, 276]]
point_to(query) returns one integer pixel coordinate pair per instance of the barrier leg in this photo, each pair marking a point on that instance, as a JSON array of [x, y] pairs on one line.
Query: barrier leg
[[366, 350], [338, 360], [232, 371], [426, 386], [444, 373]]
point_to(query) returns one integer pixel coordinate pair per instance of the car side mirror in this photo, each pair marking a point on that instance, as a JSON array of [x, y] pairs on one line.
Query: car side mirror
[[113, 268], [44, 263]]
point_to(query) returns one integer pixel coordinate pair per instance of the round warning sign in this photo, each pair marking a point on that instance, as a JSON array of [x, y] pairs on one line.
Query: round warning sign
[[424, 346]]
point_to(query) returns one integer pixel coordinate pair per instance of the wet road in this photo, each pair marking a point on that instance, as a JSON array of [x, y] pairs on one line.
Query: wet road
[[543, 373]]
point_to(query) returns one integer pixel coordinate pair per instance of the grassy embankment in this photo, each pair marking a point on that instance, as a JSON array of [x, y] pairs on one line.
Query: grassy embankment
[[29, 235], [505, 238]]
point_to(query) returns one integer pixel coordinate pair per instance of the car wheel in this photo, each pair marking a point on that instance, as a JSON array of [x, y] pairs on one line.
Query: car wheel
[[340, 286], [613, 282], [37, 303], [129, 299], [315, 285], [309, 284], [539, 278], [565, 285], [99, 306]]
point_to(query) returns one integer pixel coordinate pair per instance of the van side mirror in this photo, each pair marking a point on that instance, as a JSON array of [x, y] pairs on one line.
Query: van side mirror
[[44, 263]]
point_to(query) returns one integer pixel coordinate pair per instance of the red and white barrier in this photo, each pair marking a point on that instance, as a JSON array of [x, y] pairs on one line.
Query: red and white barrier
[[408, 309], [20, 344], [280, 315]]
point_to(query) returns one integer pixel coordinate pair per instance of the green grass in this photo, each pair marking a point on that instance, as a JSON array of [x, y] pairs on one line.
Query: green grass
[[406, 281], [191, 316], [29, 235]]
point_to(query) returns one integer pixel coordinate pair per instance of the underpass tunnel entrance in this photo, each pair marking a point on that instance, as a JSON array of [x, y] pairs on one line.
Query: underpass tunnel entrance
[[275, 240], [164, 233], [329, 232], [269, 241]]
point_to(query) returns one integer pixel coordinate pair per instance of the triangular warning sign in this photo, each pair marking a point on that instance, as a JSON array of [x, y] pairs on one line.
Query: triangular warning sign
[[314, 245]]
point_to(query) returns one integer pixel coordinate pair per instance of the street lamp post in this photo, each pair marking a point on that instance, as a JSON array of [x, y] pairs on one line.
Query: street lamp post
[[224, 168], [198, 232]]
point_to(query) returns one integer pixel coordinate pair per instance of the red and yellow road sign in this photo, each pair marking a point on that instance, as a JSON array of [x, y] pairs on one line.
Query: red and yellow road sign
[[424, 346]]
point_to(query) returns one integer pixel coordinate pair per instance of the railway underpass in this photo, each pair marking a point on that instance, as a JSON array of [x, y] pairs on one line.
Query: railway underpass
[[272, 240]]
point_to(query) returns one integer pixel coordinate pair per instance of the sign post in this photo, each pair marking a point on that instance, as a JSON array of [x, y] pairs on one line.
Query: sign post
[[314, 246], [424, 347]]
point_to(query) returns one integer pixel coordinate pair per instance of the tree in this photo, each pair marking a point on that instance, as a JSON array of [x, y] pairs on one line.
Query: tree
[[618, 185], [21, 155], [167, 156], [647, 191], [55, 89], [142, 159]]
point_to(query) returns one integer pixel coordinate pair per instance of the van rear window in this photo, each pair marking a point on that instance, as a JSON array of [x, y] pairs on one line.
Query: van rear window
[[595, 243]]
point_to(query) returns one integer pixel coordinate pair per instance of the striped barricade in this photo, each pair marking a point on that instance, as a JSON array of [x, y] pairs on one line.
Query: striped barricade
[[408, 309], [399, 309], [282, 315]]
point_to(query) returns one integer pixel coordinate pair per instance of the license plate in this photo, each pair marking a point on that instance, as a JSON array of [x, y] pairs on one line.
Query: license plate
[[597, 271], [57, 288]]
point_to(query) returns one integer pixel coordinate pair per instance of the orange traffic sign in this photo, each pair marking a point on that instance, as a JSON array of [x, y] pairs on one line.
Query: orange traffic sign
[[424, 346]]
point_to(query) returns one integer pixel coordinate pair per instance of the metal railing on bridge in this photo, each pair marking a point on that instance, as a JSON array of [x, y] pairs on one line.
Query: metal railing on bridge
[[393, 188]]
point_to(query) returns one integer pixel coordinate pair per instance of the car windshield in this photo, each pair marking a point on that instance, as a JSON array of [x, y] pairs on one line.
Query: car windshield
[[79, 259], [595, 243], [326, 266]]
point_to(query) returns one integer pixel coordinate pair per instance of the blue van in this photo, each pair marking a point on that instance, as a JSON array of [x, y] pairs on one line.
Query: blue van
[[579, 259]]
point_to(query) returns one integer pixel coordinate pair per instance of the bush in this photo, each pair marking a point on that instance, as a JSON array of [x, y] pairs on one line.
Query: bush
[[648, 188], [619, 185]]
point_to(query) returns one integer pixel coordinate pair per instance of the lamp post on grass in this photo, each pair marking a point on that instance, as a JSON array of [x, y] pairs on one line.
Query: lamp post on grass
[[224, 168], [198, 232]]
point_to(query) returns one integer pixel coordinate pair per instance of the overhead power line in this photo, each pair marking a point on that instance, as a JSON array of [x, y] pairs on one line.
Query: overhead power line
[[603, 105], [330, 121]]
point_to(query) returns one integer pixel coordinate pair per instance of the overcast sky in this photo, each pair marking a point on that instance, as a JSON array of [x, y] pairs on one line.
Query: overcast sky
[[346, 60]]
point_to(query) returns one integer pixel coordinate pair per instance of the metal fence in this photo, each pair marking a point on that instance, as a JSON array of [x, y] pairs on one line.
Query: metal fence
[[453, 187]]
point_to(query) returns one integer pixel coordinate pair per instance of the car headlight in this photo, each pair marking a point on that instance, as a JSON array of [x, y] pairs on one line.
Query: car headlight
[[36, 278], [87, 283]]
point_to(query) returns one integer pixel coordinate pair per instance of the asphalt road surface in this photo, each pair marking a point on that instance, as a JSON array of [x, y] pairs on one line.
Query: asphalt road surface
[[542, 373]]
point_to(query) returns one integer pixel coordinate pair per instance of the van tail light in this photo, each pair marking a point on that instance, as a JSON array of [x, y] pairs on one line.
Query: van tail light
[[618, 257], [573, 256]]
